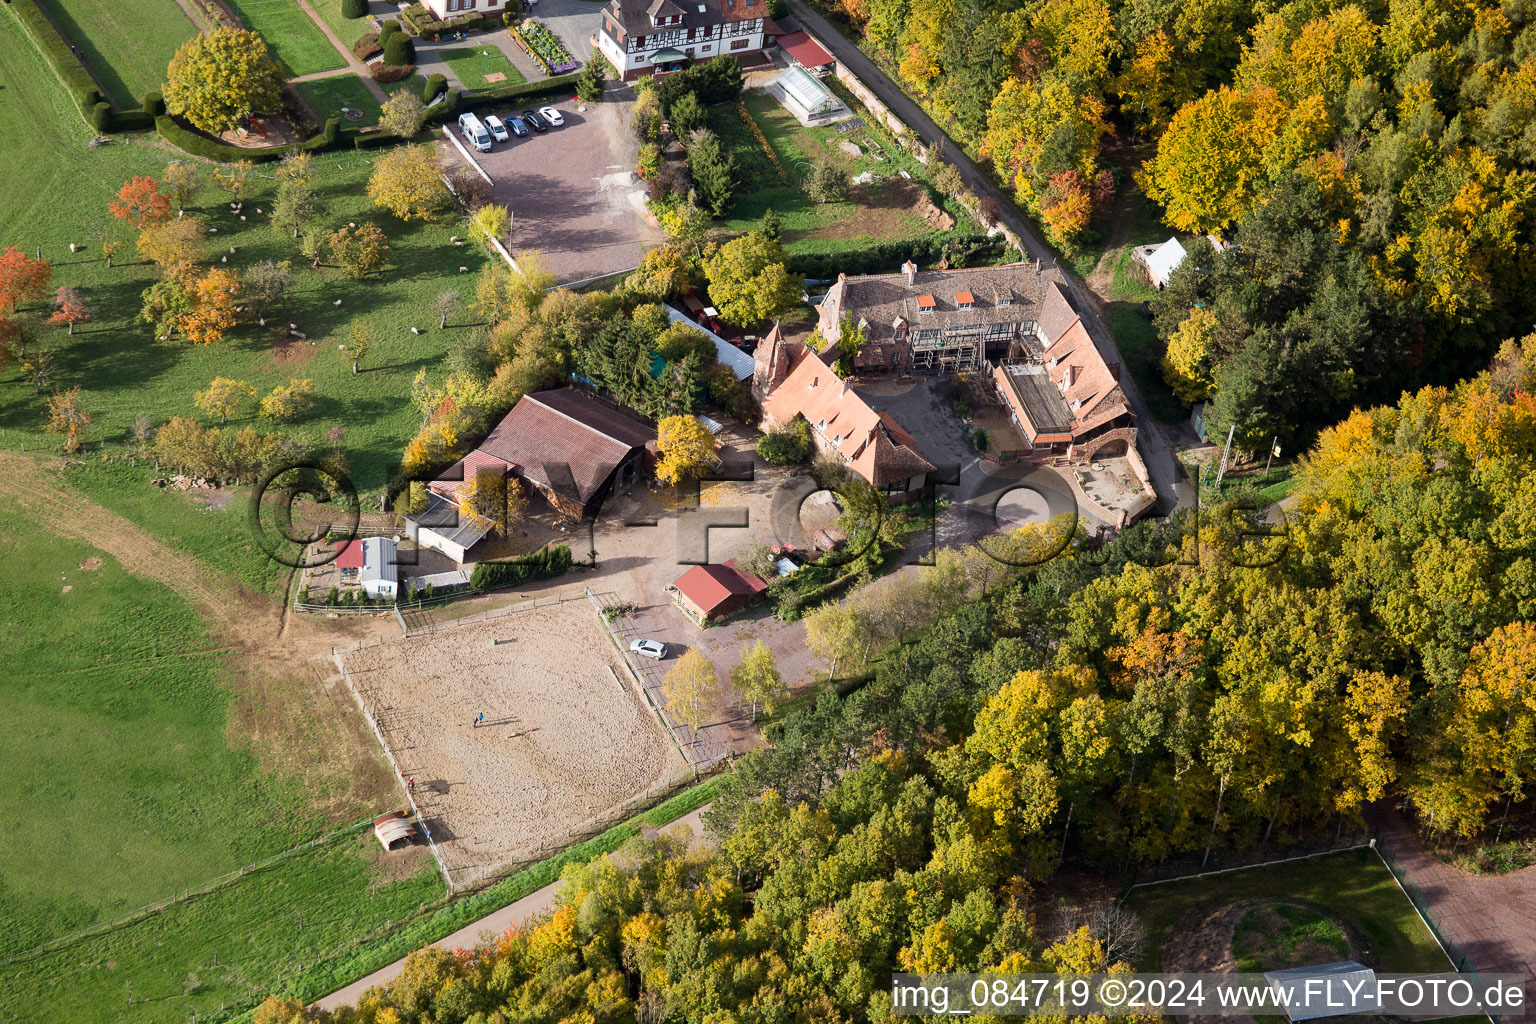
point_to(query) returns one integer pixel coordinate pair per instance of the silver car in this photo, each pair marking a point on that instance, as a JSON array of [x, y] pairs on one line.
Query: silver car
[[497, 129], [648, 648]]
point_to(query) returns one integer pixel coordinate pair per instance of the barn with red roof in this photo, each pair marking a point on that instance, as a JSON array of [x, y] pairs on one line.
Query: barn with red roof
[[709, 593]]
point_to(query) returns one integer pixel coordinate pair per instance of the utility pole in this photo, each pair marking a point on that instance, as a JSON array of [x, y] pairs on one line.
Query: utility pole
[[1232, 430]]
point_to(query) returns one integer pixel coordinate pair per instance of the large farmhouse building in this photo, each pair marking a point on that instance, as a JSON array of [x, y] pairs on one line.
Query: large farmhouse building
[[570, 448], [872, 444], [648, 37]]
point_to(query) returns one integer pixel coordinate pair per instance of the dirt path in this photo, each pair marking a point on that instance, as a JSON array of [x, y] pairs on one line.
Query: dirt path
[[289, 702], [1489, 919]]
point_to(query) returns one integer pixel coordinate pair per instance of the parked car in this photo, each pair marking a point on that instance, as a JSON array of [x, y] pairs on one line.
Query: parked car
[[474, 132], [648, 648], [551, 115], [496, 128], [533, 121], [518, 128]]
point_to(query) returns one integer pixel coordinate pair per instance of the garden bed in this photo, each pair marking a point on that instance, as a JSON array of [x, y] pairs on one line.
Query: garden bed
[[545, 47]]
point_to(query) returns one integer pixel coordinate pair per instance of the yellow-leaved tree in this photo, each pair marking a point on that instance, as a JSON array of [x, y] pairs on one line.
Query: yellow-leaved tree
[[1187, 362], [690, 687], [218, 80], [687, 449]]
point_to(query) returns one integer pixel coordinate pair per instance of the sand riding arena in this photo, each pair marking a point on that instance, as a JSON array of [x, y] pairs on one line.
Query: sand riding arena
[[566, 745]]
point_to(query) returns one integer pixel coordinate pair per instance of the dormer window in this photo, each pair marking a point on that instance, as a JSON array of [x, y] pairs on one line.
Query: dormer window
[[925, 304], [1005, 300], [964, 300]]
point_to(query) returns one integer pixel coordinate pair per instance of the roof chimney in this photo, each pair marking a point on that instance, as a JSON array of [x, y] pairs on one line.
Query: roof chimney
[[909, 271], [843, 391]]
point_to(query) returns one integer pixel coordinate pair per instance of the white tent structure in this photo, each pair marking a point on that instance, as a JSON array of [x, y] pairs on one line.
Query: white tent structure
[[805, 97], [1161, 261]]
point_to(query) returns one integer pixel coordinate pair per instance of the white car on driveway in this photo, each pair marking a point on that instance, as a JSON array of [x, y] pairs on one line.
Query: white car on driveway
[[496, 128], [648, 648], [551, 115]]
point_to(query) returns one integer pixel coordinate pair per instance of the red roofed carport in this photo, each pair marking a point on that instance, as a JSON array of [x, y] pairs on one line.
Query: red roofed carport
[[805, 51], [349, 554], [710, 592]]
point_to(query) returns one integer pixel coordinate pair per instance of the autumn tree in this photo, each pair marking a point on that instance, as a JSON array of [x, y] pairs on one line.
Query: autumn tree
[[756, 679], [1187, 362], [403, 114], [687, 449], [141, 203], [181, 178], [219, 79], [491, 221], [690, 687], [287, 401], [223, 397], [22, 278], [213, 307], [264, 283], [38, 365], [69, 309], [174, 245], [297, 205], [749, 280], [443, 303], [492, 501], [359, 251], [67, 418], [833, 632], [357, 344], [235, 178], [407, 181], [166, 304]]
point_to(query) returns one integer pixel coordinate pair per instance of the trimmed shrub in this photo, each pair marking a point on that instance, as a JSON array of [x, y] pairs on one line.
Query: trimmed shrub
[[185, 139], [388, 73], [154, 103], [432, 87], [354, 9], [416, 17], [521, 90], [389, 28], [399, 50], [434, 30], [366, 46], [886, 257], [448, 109], [101, 117], [541, 565], [66, 65]]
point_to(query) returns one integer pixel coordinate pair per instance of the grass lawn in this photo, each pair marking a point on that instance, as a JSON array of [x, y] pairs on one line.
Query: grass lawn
[[771, 180], [348, 30], [127, 45], [55, 191], [1352, 887], [470, 65], [293, 37], [329, 95], [115, 715]]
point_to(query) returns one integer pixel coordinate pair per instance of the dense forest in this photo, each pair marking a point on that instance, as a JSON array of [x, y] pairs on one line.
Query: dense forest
[[1189, 684], [1369, 164]]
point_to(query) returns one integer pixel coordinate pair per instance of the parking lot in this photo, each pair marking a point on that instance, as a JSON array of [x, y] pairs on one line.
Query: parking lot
[[573, 191]]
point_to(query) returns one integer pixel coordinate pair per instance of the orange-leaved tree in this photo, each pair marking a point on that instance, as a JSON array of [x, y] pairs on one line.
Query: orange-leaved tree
[[141, 203]]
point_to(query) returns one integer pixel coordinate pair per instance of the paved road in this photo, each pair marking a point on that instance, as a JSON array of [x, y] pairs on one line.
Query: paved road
[[1172, 489], [530, 906], [1489, 919]]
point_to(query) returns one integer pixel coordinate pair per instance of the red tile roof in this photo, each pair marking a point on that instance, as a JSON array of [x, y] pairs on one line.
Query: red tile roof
[[709, 586], [925, 302], [964, 298], [804, 50], [349, 554]]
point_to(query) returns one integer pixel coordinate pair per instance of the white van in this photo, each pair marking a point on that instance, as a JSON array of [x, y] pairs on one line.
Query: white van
[[474, 132]]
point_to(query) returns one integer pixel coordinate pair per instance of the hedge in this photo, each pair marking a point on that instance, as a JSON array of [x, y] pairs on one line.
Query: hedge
[[416, 16], [154, 103], [71, 71], [446, 109], [434, 85], [389, 73], [541, 565], [199, 145], [435, 30], [521, 90], [886, 257]]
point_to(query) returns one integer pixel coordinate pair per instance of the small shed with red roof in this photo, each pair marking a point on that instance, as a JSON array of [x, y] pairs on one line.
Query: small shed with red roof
[[709, 593], [806, 53]]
